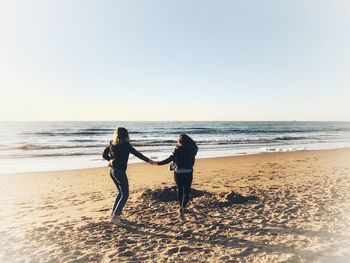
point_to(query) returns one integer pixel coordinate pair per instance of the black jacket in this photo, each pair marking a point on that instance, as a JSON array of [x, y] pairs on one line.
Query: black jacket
[[120, 154], [182, 158]]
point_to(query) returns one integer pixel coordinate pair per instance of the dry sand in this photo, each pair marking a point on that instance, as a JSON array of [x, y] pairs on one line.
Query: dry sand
[[276, 207]]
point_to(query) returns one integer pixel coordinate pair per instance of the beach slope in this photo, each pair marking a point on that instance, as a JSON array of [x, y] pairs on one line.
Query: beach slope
[[274, 207]]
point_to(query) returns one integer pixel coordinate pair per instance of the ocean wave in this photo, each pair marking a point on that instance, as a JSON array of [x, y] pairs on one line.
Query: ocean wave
[[155, 143], [253, 140], [248, 131], [199, 130], [75, 133], [56, 154], [84, 132], [28, 147], [278, 149], [289, 138], [82, 140], [192, 131]]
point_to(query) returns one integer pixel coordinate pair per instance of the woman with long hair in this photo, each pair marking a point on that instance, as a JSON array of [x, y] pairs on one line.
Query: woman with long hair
[[183, 159], [117, 154]]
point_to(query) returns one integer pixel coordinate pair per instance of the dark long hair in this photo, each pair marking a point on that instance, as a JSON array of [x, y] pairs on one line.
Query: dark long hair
[[120, 135], [188, 144]]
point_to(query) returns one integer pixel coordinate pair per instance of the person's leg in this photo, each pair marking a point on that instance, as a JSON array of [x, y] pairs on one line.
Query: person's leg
[[179, 184], [187, 182], [122, 180], [112, 174]]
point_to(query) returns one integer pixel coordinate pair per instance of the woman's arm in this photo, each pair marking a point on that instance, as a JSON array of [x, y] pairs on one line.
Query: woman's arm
[[167, 160], [138, 154], [170, 159], [105, 154]]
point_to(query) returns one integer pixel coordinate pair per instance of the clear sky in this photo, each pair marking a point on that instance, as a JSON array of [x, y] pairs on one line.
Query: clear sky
[[175, 60]]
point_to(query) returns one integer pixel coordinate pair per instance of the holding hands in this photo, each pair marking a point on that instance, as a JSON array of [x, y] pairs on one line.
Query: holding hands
[[152, 162]]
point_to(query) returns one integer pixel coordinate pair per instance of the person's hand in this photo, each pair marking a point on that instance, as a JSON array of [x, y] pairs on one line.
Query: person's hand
[[110, 163], [153, 162]]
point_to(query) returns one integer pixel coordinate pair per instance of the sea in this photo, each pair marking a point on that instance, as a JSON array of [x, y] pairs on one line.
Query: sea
[[52, 146]]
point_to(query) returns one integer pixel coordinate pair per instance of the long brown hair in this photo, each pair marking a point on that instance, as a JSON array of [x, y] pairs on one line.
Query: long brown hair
[[120, 135], [187, 143]]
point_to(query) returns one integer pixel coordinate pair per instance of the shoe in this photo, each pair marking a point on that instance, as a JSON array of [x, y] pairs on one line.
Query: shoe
[[182, 214], [116, 220]]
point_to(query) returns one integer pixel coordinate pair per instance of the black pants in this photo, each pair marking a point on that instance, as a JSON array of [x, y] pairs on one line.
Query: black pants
[[121, 182], [183, 182]]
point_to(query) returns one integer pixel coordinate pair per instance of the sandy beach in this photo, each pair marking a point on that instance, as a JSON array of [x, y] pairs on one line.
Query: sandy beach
[[273, 207]]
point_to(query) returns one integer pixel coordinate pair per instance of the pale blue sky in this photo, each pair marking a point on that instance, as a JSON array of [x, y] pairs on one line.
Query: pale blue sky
[[174, 60]]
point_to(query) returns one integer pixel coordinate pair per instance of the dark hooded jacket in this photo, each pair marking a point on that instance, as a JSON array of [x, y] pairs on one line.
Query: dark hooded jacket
[[119, 153]]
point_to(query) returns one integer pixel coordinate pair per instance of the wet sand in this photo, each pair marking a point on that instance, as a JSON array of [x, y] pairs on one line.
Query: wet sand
[[274, 207]]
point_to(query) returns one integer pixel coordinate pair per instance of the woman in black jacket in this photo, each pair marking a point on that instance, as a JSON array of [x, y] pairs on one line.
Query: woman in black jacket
[[183, 159], [117, 154]]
